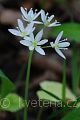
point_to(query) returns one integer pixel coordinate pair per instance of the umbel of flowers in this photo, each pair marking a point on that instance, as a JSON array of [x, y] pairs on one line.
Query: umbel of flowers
[[34, 42]]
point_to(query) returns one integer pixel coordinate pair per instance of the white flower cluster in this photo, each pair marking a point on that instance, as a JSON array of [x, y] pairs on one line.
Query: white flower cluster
[[35, 42]]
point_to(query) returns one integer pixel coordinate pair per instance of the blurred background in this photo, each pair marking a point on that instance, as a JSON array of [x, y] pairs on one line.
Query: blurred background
[[14, 56]]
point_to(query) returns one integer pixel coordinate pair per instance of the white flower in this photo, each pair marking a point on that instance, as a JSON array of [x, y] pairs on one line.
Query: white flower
[[30, 16], [35, 43], [21, 31], [60, 44], [47, 20]]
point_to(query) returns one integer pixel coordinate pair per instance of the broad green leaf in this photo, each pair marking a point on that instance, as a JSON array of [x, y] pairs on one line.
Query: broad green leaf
[[71, 31], [51, 94], [66, 108], [72, 115], [12, 103], [54, 88], [45, 96], [6, 86]]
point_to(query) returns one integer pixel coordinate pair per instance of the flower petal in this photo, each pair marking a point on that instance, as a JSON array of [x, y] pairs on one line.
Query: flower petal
[[25, 19], [60, 53], [24, 12], [52, 44], [32, 29], [43, 16], [25, 42], [59, 37], [63, 48], [32, 37], [42, 42], [14, 32], [31, 48], [54, 24], [20, 24], [30, 13], [29, 29], [64, 44], [37, 14], [27, 38], [50, 18], [37, 22], [39, 35], [40, 50]]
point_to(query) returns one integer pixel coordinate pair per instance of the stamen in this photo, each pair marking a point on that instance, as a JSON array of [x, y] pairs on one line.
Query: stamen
[[23, 34], [36, 10], [56, 21], [34, 43], [18, 28], [47, 14], [62, 40], [26, 9]]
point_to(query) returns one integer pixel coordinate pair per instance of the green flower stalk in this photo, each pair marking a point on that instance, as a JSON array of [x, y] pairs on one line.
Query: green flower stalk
[[64, 82], [27, 84]]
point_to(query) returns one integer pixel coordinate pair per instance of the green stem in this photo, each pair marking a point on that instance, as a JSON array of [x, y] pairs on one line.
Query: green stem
[[46, 47], [40, 113], [17, 82], [64, 82], [74, 70], [0, 105], [26, 87]]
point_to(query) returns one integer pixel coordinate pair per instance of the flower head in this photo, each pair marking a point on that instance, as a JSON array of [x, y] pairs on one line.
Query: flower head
[[30, 16], [47, 20], [35, 42], [21, 31], [60, 44]]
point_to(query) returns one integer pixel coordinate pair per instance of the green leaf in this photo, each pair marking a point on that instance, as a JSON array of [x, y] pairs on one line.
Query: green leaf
[[54, 88], [12, 103], [6, 86], [71, 31], [51, 94], [66, 108], [45, 96], [73, 115]]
